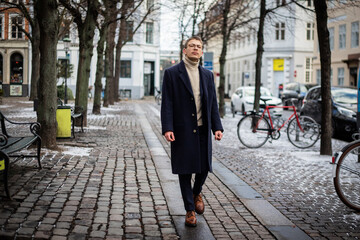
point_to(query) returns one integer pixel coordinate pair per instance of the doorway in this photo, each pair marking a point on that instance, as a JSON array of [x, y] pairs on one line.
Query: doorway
[[149, 78]]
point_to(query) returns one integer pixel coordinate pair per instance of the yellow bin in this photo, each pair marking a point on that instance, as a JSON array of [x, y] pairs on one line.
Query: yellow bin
[[63, 118]]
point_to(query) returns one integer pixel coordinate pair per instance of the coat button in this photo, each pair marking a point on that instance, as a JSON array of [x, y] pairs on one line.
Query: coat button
[[193, 115], [192, 99], [194, 131]]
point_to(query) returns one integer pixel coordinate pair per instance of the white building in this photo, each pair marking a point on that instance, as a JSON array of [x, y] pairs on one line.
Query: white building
[[288, 51], [140, 58]]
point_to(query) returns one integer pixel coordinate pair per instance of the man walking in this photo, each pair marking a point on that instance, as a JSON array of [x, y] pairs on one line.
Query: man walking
[[189, 113]]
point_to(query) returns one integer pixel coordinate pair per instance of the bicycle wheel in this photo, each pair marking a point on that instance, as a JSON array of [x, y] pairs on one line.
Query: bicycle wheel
[[306, 138], [347, 175], [252, 132]]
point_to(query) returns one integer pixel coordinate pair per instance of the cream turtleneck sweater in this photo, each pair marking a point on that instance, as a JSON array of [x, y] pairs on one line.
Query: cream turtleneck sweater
[[193, 73]]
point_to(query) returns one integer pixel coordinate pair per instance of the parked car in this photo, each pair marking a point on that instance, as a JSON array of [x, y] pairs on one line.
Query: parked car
[[294, 90], [344, 104], [242, 100]]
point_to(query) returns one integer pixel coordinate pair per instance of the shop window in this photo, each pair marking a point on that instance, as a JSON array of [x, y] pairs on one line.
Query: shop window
[[125, 69], [16, 68]]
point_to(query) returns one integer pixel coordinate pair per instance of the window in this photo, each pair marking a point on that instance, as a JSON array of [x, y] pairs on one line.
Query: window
[[16, 26], [309, 3], [308, 70], [331, 38], [16, 68], [280, 2], [342, 36], [1, 68], [355, 34], [129, 31], [149, 4], [1, 27], [149, 32], [310, 31], [318, 76], [125, 69], [280, 31], [341, 76]]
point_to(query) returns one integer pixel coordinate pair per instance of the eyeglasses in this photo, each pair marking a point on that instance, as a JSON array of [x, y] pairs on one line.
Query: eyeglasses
[[194, 45]]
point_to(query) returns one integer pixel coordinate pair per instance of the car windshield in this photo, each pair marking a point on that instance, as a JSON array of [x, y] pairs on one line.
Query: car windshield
[[263, 92], [344, 95]]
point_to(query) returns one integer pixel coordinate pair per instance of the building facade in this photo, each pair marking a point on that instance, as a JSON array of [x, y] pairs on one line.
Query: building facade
[[343, 25], [14, 53], [287, 56]]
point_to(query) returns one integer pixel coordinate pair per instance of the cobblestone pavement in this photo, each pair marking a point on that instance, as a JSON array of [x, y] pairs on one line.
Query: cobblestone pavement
[[103, 185], [297, 182], [113, 192]]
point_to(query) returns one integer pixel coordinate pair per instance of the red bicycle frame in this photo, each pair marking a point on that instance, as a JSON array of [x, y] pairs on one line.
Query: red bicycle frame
[[283, 107]]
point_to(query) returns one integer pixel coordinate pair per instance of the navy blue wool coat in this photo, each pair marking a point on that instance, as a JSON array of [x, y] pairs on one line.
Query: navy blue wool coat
[[178, 114]]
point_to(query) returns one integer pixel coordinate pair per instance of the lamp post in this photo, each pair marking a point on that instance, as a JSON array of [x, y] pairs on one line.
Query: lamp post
[[66, 48]]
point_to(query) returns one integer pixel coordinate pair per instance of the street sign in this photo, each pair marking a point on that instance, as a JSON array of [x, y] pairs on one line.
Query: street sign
[[208, 60]]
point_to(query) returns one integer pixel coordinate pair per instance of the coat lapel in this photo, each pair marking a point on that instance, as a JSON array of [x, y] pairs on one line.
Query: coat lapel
[[185, 77], [203, 84]]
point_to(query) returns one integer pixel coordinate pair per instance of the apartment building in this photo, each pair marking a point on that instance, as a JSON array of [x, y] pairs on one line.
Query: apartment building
[[288, 50], [343, 25], [14, 53]]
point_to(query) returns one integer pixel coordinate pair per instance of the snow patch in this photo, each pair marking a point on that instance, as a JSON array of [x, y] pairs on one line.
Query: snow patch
[[76, 151]]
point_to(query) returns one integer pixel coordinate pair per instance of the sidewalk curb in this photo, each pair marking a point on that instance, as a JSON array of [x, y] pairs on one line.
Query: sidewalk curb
[[279, 225], [170, 185]]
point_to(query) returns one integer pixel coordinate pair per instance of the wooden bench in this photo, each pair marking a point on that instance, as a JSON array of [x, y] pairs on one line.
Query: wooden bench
[[74, 116], [12, 144]]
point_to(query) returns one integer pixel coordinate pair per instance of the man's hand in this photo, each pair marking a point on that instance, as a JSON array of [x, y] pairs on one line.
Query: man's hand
[[169, 136], [218, 135]]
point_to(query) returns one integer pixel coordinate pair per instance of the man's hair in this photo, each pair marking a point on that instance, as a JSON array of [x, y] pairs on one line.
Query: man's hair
[[193, 38]]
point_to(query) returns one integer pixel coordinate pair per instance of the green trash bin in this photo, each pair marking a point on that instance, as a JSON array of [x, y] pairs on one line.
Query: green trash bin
[[63, 118]]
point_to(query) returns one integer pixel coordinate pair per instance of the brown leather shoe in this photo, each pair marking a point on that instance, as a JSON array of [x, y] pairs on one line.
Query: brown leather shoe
[[190, 219], [199, 204]]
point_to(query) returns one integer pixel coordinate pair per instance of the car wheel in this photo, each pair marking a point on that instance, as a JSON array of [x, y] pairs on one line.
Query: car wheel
[[284, 102]]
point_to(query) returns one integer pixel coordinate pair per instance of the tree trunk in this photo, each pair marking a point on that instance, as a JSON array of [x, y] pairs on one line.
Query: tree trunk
[[46, 112], [325, 60], [86, 32], [259, 54], [35, 63], [110, 45], [99, 70], [225, 37], [119, 46]]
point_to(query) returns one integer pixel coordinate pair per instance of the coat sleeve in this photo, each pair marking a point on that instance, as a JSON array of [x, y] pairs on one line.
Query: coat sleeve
[[215, 115], [167, 104]]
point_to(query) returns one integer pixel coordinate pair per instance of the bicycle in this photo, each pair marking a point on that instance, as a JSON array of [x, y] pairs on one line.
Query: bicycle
[[346, 174], [254, 129], [158, 96]]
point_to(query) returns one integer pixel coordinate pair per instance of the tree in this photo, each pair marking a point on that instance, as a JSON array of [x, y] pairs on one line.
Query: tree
[[110, 17], [86, 21], [325, 61], [99, 68], [46, 10], [229, 16], [129, 16]]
